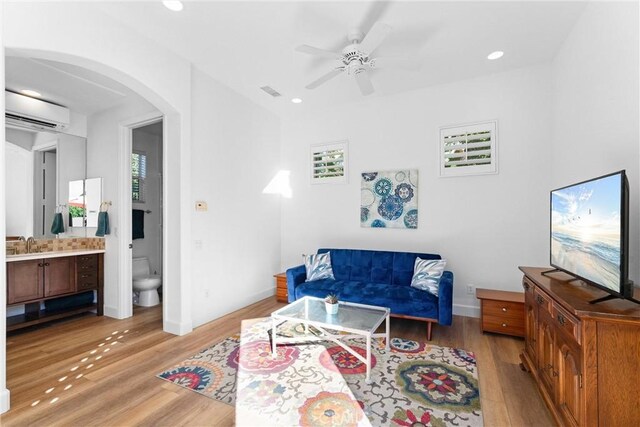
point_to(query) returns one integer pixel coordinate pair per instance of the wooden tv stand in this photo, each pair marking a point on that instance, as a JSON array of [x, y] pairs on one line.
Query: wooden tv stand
[[584, 357]]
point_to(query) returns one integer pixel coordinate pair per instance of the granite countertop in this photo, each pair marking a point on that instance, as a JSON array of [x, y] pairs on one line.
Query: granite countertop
[[53, 254]]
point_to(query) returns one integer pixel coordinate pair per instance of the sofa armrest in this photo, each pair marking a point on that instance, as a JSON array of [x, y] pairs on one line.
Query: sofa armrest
[[445, 298], [295, 276]]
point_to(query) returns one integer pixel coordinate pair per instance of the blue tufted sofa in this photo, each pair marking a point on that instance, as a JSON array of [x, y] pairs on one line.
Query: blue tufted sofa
[[378, 278]]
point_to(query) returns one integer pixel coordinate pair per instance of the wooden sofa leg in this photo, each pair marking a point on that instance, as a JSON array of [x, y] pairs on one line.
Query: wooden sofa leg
[[429, 330]]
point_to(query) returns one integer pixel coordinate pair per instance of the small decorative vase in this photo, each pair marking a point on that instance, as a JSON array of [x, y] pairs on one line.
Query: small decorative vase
[[331, 308]]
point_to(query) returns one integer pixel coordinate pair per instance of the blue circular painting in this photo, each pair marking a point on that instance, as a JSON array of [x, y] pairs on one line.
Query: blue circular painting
[[411, 219], [390, 207]]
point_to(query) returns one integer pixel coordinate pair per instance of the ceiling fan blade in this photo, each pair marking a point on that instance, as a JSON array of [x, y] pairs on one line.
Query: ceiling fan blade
[[364, 82], [376, 11], [375, 37], [331, 74], [316, 51], [391, 62]]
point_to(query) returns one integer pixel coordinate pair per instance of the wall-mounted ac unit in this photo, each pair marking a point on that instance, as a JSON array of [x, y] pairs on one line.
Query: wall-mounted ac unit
[[31, 113]]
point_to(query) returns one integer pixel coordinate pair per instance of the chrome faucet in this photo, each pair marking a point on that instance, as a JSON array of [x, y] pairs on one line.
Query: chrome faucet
[[32, 246]]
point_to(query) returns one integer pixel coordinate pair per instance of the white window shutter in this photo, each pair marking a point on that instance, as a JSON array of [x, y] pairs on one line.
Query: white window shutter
[[469, 149], [329, 162]]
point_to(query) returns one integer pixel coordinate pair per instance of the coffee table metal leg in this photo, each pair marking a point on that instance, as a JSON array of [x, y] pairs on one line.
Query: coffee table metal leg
[[273, 338], [388, 321], [368, 379]]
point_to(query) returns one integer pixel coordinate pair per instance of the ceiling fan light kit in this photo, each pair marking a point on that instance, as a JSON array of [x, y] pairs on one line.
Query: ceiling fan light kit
[[356, 58]]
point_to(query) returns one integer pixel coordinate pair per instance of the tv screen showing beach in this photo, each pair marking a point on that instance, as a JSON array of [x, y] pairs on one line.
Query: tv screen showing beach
[[585, 230]]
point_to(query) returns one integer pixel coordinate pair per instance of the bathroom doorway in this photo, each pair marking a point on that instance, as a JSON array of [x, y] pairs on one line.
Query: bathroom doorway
[[146, 214]]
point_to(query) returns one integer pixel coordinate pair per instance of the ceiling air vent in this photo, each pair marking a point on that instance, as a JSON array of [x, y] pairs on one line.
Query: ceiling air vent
[[271, 91]]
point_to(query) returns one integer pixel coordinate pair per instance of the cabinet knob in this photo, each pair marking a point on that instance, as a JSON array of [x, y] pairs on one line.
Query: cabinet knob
[[504, 309], [504, 325]]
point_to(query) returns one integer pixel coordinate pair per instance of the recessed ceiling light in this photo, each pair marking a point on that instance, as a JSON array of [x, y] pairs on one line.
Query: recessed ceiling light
[[495, 55], [296, 100], [175, 6], [31, 93]]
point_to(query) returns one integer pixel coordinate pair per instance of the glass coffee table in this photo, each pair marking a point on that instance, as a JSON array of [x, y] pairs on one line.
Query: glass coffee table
[[353, 320]]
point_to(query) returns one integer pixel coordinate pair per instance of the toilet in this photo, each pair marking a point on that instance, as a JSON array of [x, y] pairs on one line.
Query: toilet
[[144, 283]]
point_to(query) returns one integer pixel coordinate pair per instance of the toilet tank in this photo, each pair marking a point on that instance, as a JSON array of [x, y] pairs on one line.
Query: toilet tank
[[140, 267]]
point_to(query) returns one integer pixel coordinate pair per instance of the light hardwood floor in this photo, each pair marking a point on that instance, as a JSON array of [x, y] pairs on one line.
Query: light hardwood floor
[[100, 371]]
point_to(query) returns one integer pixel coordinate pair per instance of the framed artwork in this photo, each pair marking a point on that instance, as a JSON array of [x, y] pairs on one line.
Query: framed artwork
[[389, 199]]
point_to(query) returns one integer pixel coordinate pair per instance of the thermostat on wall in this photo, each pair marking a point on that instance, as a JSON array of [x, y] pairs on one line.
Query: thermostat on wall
[[201, 206]]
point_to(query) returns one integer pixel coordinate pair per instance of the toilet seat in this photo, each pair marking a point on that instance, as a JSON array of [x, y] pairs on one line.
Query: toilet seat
[[148, 281]]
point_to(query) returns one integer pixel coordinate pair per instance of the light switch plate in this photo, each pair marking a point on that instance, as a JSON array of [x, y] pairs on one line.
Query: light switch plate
[[201, 206]]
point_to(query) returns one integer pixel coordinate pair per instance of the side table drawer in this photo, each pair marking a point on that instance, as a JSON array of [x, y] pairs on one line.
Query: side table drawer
[[503, 317], [502, 312], [281, 287]]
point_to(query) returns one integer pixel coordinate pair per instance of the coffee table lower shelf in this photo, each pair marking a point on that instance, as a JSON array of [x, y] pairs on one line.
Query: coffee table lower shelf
[[309, 316]]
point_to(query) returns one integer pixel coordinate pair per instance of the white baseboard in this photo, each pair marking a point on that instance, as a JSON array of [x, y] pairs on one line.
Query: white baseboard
[[266, 293], [177, 328], [246, 301], [4, 400], [110, 311], [466, 310]]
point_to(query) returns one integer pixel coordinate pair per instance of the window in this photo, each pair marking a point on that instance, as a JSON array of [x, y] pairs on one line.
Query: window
[[138, 175], [469, 149], [329, 163]]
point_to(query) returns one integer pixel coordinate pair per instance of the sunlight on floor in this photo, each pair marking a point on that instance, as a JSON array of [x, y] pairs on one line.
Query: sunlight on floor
[[82, 361]]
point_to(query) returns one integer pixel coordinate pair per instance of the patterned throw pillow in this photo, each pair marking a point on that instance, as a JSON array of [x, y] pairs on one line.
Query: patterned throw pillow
[[318, 266], [427, 273]]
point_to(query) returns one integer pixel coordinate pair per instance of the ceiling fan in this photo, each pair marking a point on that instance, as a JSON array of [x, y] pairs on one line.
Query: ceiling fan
[[356, 58]]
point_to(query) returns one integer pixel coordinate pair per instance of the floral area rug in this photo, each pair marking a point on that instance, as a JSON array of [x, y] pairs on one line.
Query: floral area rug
[[413, 384]]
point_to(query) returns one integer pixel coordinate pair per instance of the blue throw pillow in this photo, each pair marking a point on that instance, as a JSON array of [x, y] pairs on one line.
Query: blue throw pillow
[[318, 266], [427, 274]]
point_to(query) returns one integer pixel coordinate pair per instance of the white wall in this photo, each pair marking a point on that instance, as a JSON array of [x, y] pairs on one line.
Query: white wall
[[20, 137], [485, 226], [151, 245], [103, 142], [595, 105], [59, 31], [4, 393], [71, 155], [236, 151], [18, 171]]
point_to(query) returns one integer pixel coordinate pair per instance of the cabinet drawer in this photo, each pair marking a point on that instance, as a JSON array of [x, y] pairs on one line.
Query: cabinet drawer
[[87, 280], [566, 322], [281, 287], [87, 262], [510, 326], [503, 309], [503, 317], [542, 300]]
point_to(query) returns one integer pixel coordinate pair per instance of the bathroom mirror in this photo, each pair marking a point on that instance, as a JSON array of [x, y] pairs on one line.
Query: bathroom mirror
[[39, 167], [84, 201]]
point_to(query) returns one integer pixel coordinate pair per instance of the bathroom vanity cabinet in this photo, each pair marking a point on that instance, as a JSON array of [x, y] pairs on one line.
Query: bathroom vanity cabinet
[[33, 281]]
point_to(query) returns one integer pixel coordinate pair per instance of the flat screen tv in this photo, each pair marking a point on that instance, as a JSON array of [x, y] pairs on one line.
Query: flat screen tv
[[590, 233]]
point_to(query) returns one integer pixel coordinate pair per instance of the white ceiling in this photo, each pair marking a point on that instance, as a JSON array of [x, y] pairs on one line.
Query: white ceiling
[[76, 88], [246, 45]]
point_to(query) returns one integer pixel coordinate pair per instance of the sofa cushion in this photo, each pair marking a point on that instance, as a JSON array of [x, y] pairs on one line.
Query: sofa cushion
[[427, 274], [318, 266], [403, 300], [392, 268]]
